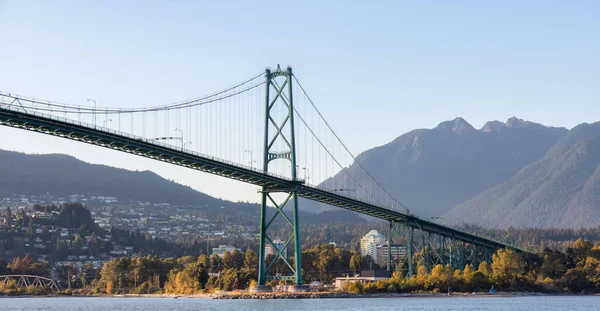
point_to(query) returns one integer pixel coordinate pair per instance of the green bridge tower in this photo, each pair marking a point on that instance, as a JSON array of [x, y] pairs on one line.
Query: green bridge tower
[[282, 130]]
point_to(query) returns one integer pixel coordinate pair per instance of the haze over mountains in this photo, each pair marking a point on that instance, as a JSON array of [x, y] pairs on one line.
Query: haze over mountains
[[514, 173], [562, 189], [433, 170], [517, 173]]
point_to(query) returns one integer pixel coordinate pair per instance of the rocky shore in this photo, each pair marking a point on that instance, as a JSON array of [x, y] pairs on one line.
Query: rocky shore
[[282, 295]]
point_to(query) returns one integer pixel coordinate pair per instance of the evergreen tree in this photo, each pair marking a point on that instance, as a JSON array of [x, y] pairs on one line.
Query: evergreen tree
[[30, 228], [216, 264]]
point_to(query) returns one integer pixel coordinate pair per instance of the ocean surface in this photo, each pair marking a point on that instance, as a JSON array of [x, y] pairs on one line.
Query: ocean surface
[[554, 303], [530, 303]]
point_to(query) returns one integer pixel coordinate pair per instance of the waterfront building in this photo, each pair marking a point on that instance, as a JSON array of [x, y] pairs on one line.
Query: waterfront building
[[365, 277]]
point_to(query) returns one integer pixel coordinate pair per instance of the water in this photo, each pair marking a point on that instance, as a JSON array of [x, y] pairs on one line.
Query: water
[[554, 303]]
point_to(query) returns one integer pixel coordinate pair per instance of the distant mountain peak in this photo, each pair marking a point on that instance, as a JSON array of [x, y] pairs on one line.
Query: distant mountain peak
[[493, 126], [458, 125], [515, 122]]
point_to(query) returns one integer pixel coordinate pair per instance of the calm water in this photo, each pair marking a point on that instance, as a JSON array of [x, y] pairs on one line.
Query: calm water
[[379, 304]]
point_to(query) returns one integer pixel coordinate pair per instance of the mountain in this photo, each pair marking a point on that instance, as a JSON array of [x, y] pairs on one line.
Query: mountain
[[433, 170], [63, 175], [561, 190]]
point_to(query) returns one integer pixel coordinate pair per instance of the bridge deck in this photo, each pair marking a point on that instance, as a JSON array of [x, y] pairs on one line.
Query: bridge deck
[[16, 117]]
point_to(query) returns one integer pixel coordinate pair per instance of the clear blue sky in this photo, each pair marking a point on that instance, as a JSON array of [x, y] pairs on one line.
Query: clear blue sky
[[390, 66]]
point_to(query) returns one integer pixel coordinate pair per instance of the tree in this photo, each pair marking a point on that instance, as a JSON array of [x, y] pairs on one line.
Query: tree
[[554, 265], [507, 266], [251, 261], [191, 279], [109, 288], [110, 273], [357, 262], [577, 253], [93, 247], [30, 227], [88, 273], [59, 251], [216, 265], [27, 265], [484, 268], [227, 260], [441, 276], [77, 246], [468, 274], [237, 259], [66, 272], [576, 280], [326, 261], [205, 261]]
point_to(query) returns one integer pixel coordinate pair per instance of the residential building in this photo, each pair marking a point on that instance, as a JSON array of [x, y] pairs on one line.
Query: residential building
[[398, 254], [222, 249], [280, 244], [369, 243]]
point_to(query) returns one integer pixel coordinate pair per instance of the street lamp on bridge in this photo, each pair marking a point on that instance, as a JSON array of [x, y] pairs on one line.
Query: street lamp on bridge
[[305, 169], [106, 121], [94, 113], [251, 162], [182, 141]]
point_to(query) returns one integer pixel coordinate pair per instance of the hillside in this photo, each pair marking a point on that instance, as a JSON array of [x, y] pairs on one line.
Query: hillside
[[560, 190], [432, 170], [63, 175]]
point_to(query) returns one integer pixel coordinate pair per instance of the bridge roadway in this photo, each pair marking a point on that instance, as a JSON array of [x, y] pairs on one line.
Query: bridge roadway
[[17, 117]]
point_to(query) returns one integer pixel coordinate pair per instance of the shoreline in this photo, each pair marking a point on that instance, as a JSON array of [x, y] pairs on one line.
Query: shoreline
[[310, 295]]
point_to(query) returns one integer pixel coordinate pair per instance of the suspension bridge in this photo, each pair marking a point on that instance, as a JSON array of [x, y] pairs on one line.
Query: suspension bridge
[[268, 132]]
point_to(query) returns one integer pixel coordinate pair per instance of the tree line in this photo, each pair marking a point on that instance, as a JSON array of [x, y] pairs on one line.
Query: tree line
[[575, 270]]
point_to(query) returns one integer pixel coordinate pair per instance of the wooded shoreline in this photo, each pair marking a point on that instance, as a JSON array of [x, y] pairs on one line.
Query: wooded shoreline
[[312, 295]]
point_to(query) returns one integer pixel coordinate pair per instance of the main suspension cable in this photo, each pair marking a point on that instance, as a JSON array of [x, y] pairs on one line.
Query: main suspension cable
[[91, 111], [345, 147], [66, 108]]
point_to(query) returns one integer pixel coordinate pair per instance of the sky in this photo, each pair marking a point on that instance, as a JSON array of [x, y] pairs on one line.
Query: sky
[[390, 66]]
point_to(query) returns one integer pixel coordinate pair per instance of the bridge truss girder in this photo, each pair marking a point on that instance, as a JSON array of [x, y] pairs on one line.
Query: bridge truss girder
[[31, 280], [429, 248]]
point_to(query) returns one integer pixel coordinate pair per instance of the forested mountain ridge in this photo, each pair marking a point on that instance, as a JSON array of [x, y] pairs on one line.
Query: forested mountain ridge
[[62, 175], [560, 190], [432, 170], [514, 173]]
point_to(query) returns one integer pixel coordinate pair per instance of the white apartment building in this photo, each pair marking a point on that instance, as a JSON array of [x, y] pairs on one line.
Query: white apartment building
[[222, 249], [369, 243]]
